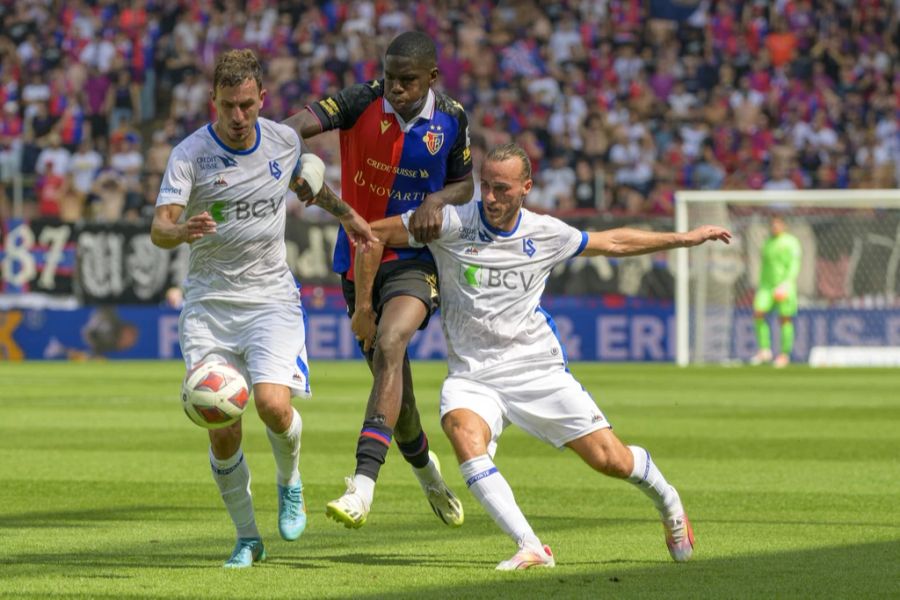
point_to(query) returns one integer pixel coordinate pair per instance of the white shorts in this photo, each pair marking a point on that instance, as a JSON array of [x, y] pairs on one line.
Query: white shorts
[[548, 403], [267, 343]]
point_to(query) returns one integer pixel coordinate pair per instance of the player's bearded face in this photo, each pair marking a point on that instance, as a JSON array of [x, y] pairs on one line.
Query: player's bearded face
[[406, 84], [237, 109], [503, 190]]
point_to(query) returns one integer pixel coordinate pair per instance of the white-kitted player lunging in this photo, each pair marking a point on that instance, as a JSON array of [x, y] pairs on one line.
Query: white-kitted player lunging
[[506, 361], [241, 302]]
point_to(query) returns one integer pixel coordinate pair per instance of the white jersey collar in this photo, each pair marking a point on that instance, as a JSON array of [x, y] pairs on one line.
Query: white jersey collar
[[426, 113]]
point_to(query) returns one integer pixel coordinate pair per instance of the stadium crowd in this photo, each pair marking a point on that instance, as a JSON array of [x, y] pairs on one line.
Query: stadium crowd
[[617, 102]]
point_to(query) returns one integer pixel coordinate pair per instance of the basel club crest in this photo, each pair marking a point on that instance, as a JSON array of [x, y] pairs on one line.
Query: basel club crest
[[434, 139]]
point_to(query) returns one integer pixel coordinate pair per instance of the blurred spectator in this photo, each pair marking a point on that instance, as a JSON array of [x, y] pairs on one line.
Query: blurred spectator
[[708, 174], [99, 53], [107, 197], [588, 186], [54, 158], [70, 202], [11, 141], [123, 101], [789, 93], [190, 100], [158, 153], [558, 183], [50, 189], [126, 158], [34, 92], [97, 87], [146, 208], [779, 179], [85, 164]]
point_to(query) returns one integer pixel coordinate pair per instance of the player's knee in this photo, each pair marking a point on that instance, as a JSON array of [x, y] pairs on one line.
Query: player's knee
[[390, 345], [275, 413]]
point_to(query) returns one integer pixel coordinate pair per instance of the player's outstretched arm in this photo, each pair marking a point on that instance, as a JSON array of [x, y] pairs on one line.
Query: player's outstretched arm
[[357, 228], [308, 183], [394, 234], [425, 223], [167, 232], [625, 241]]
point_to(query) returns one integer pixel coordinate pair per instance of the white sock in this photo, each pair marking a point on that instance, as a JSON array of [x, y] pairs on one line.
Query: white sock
[[232, 475], [648, 478], [428, 474], [365, 488], [491, 490], [286, 449]]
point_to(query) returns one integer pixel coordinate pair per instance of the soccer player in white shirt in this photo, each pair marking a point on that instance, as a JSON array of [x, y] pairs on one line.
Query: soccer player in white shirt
[[506, 362], [241, 302]]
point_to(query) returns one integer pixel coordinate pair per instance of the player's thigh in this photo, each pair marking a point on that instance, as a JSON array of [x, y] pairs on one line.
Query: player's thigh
[[274, 344], [763, 300], [399, 319], [458, 393], [406, 280], [552, 406], [788, 306], [205, 333]]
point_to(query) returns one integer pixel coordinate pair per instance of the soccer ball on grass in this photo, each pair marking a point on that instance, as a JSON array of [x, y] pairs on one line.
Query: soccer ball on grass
[[214, 395]]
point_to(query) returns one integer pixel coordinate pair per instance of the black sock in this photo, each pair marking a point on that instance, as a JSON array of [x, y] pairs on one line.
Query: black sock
[[416, 451], [371, 449]]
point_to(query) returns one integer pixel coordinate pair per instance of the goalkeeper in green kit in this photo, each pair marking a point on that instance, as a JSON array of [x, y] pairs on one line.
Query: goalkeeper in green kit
[[777, 289]]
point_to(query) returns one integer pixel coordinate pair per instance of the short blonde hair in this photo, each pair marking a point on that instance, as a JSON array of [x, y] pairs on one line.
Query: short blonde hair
[[511, 150], [233, 67]]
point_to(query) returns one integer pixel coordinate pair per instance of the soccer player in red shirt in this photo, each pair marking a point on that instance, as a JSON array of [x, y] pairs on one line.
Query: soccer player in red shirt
[[403, 146]]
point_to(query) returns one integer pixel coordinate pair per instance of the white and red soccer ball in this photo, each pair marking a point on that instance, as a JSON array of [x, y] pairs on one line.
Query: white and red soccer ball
[[214, 395]]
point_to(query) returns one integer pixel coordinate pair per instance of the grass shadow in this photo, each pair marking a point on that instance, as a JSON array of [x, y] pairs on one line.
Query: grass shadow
[[855, 571]]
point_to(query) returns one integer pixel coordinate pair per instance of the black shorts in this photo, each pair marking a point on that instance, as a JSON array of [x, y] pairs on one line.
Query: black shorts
[[399, 278]]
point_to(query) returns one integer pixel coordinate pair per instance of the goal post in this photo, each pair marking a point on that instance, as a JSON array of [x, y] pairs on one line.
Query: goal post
[[848, 288]]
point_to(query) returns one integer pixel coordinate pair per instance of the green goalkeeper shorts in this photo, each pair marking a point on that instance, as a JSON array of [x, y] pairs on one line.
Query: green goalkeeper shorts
[[764, 301]]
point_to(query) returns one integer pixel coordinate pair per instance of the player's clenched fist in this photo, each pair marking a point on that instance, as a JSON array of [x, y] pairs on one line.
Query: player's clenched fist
[[425, 223]]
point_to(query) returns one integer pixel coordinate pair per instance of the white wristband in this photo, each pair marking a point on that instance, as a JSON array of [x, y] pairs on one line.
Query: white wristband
[[312, 170]]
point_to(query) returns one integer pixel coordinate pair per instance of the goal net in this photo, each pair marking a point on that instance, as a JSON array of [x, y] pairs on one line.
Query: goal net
[[849, 307]]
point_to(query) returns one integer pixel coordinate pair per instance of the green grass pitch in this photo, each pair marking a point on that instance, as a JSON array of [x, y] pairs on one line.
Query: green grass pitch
[[791, 478]]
